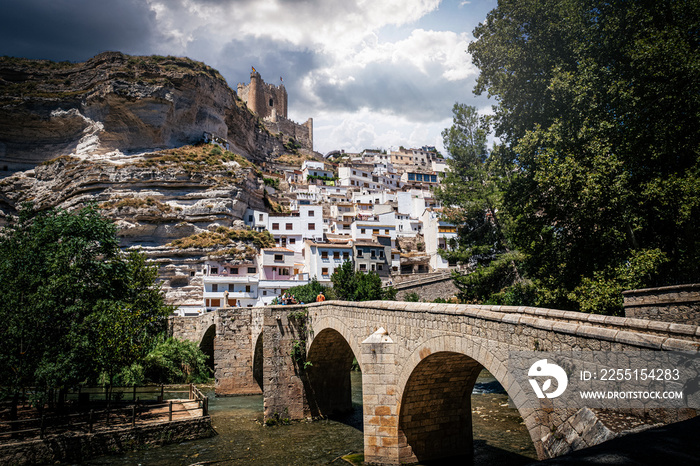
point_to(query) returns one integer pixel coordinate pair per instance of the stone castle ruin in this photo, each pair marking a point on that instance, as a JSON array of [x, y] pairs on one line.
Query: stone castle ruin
[[269, 102]]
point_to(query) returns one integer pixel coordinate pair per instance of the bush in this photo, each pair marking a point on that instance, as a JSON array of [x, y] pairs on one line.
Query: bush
[[412, 297], [176, 361]]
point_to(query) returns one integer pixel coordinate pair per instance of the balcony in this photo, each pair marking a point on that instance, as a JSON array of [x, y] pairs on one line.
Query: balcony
[[253, 294]]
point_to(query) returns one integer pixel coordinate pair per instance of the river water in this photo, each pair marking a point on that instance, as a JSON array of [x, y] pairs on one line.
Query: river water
[[499, 435]]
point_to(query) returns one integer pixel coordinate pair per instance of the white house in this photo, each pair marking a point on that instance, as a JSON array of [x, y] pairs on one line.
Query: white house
[[236, 282], [322, 259], [437, 235]]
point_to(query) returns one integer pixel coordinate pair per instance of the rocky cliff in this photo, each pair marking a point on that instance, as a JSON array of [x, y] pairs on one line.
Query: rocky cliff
[[154, 199], [124, 133], [119, 104]]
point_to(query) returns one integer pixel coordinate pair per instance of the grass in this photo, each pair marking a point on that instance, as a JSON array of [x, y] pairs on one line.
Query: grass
[[137, 203], [222, 237], [193, 158]]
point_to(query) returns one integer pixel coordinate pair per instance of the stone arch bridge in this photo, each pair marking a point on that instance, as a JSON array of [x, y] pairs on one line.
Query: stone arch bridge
[[419, 363]]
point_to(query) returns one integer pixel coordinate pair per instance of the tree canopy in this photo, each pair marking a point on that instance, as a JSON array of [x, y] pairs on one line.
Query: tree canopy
[[74, 305], [349, 285], [597, 110]]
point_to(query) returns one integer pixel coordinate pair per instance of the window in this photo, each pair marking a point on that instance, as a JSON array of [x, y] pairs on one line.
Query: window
[[362, 231], [279, 257], [386, 232], [411, 177], [214, 270], [311, 213], [346, 255], [251, 269], [380, 267], [271, 103], [375, 231], [275, 226], [372, 267], [363, 267], [312, 226], [288, 226], [372, 254], [264, 292], [381, 253], [230, 287], [214, 288], [292, 240], [250, 218], [260, 217], [284, 271], [192, 273], [359, 253], [234, 271], [247, 288], [336, 254], [324, 271], [324, 254]]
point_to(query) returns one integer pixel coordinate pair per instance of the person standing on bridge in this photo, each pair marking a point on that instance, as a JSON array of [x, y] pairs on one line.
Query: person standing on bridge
[[320, 297]]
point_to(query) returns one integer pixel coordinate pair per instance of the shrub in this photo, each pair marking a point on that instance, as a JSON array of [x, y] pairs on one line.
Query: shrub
[[176, 361]]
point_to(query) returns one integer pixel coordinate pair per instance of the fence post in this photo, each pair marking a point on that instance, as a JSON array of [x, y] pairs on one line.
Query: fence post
[[161, 393], [133, 416], [170, 410], [190, 395], [90, 421], [205, 409], [107, 414]]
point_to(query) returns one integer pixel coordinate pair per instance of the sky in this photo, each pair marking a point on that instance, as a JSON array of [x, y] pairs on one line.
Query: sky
[[371, 73]]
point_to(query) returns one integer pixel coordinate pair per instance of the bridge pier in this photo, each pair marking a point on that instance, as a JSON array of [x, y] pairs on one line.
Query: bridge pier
[[283, 379], [234, 349], [379, 399]]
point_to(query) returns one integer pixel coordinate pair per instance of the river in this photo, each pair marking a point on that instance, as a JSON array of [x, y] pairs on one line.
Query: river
[[499, 435]]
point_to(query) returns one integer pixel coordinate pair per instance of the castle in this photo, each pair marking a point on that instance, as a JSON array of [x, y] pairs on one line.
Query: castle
[[269, 102]]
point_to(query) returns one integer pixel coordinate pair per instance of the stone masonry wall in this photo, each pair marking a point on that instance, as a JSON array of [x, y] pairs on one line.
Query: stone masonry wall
[[428, 292], [679, 304], [75, 448]]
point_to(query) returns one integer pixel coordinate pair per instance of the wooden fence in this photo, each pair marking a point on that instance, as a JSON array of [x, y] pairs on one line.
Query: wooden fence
[[79, 414]]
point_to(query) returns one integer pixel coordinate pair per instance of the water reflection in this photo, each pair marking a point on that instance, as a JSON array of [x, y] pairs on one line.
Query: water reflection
[[499, 436]]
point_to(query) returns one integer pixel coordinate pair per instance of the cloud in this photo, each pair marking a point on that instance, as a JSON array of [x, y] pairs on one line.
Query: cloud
[[386, 72], [75, 29]]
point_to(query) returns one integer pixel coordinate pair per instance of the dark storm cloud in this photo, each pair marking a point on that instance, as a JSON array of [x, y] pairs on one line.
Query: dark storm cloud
[[397, 89], [272, 59], [75, 29]]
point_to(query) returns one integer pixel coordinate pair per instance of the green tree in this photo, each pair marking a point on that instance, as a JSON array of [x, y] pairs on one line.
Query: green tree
[[597, 109], [73, 304], [472, 193], [308, 293], [349, 285]]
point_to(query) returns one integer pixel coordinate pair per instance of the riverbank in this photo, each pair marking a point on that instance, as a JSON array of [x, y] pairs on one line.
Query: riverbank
[[74, 446]]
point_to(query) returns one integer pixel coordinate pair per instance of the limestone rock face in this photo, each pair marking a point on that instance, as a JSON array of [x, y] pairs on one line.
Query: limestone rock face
[[117, 103], [151, 205]]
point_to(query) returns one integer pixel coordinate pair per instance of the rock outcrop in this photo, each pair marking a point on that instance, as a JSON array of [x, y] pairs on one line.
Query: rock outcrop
[[154, 199], [115, 103]]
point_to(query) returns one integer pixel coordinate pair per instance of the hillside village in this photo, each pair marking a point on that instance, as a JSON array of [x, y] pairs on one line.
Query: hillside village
[[219, 188], [375, 209]]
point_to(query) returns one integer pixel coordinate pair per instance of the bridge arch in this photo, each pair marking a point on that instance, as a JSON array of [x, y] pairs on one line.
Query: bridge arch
[[206, 344], [434, 394], [329, 388], [319, 323], [258, 361]]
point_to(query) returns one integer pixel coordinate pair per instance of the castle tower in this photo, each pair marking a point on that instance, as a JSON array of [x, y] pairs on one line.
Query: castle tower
[[262, 98]]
